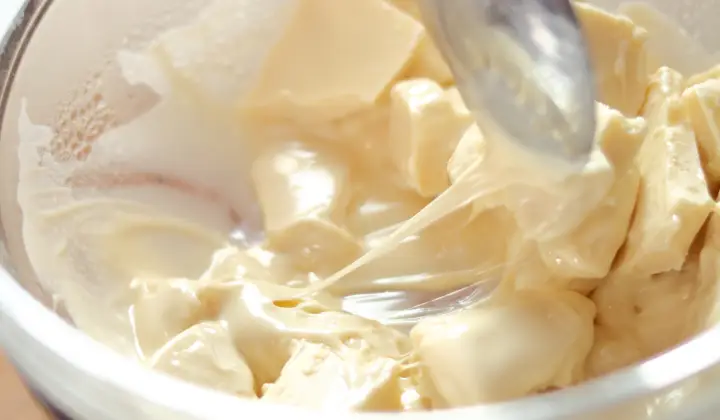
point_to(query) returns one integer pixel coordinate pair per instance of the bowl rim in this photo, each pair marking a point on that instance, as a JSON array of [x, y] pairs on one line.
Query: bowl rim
[[31, 322]]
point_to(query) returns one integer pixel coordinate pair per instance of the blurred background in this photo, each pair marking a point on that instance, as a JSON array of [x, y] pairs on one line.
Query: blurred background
[[16, 403]]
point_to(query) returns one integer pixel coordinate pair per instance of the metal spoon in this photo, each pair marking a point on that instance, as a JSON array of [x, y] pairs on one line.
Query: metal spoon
[[522, 68]]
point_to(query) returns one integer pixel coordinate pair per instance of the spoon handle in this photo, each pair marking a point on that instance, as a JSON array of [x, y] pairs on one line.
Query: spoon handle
[[522, 68]]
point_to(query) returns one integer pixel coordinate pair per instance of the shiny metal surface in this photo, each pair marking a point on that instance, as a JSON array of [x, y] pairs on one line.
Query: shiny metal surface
[[522, 68]]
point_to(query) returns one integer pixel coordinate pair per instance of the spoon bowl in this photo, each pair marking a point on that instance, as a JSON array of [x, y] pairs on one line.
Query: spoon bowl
[[522, 68]]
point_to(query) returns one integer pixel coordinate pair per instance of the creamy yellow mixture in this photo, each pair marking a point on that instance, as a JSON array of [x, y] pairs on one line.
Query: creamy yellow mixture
[[355, 128]]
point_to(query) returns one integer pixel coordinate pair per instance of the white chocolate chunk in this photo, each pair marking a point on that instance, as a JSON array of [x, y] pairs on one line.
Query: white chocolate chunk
[[672, 206], [589, 250], [710, 271], [668, 43], [163, 308], [303, 194], [702, 104], [364, 134], [410, 7], [673, 201], [425, 126], [204, 354], [644, 314], [704, 76], [427, 61], [214, 58], [318, 376], [329, 63], [456, 100], [611, 350], [522, 343], [617, 52], [664, 90]]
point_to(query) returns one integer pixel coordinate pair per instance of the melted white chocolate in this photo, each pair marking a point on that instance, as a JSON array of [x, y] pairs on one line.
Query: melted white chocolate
[[370, 177], [350, 376], [205, 354]]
